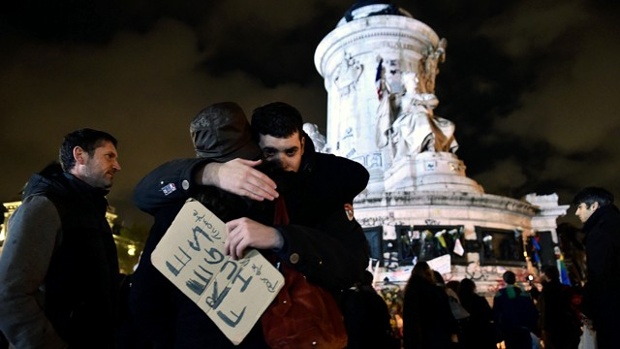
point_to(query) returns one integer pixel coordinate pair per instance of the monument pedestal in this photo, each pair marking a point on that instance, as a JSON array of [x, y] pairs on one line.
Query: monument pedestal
[[429, 171]]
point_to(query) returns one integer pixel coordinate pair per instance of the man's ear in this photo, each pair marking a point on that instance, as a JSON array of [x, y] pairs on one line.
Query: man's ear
[[303, 144], [595, 206], [79, 155]]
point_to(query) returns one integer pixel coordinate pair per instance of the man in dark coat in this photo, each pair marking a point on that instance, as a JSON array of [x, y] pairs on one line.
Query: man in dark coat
[[59, 275], [325, 186], [163, 315], [601, 224], [479, 332], [559, 321], [515, 314], [323, 241], [367, 317]]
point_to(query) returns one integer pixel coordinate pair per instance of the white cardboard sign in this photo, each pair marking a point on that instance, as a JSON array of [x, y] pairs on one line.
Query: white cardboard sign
[[233, 293], [442, 264]]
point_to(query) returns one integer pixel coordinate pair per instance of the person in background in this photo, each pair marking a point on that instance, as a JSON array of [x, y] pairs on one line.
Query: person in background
[[427, 318], [367, 317], [454, 285], [59, 274], [459, 314], [601, 225], [515, 314], [559, 322], [479, 332], [163, 315]]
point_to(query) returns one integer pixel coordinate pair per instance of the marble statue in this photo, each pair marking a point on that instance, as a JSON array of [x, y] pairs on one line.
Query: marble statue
[[319, 140], [407, 125], [429, 65]]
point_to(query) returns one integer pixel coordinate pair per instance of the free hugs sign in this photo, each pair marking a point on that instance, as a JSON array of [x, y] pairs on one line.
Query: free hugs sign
[[233, 293]]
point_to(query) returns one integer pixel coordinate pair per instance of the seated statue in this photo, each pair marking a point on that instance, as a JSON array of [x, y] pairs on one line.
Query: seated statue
[[415, 129]]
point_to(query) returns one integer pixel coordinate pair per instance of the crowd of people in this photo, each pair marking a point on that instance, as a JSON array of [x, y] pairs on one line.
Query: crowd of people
[[454, 315], [60, 285], [555, 316]]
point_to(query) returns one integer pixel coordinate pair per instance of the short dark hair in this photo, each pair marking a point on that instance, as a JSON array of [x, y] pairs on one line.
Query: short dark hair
[[277, 119], [590, 195], [509, 277], [454, 285], [85, 138], [367, 278], [467, 286]]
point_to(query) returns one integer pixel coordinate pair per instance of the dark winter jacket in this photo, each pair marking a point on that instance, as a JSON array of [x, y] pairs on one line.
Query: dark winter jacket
[[328, 248], [600, 299], [479, 331], [514, 312], [79, 267], [332, 250], [427, 318], [559, 320]]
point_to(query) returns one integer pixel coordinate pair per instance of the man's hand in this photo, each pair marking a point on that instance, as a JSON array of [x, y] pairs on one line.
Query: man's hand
[[244, 233], [239, 177]]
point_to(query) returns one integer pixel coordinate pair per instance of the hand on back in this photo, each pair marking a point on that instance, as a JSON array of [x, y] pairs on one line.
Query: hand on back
[[239, 177]]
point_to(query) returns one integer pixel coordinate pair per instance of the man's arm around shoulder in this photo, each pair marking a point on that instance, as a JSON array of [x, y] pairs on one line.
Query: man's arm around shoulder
[[169, 183], [177, 180]]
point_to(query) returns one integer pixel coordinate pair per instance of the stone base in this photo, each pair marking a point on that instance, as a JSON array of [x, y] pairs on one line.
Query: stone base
[[434, 171]]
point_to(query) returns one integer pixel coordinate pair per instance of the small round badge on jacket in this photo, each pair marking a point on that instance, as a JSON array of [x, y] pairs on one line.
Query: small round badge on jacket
[[294, 258], [348, 209]]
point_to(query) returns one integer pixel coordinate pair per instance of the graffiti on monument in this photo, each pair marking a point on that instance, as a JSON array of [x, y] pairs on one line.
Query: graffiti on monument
[[348, 74]]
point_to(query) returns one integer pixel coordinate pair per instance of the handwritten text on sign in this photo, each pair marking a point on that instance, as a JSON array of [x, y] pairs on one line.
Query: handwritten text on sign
[[232, 293]]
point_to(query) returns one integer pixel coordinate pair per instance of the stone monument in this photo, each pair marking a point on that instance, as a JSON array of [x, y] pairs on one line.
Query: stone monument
[[379, 66]]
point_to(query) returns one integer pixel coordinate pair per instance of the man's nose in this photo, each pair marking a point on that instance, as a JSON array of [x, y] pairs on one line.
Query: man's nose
[[281, 158]]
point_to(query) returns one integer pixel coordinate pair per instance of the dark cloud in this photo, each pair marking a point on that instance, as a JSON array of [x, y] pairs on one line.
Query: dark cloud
[[530, 85]]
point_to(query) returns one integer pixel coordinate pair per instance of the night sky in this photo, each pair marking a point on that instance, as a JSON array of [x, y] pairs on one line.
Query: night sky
[[532, 86]]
